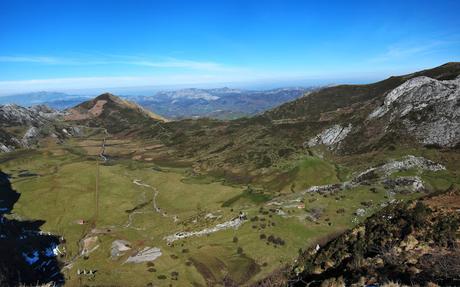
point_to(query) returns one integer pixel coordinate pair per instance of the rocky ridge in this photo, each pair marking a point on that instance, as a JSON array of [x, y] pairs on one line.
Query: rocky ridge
[[22, 127], [424, 109], [428, 108]]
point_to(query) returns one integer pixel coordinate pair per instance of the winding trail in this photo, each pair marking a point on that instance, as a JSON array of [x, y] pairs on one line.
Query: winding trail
[[233, 223], [156, 208]]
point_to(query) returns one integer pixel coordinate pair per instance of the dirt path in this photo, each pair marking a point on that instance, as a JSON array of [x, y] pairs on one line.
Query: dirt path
[[156, 208]]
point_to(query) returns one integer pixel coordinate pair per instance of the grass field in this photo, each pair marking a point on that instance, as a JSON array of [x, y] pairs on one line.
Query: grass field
[[61, 191]]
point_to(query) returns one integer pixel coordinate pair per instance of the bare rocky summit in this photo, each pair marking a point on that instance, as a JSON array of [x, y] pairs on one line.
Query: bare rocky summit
[[428, 108]]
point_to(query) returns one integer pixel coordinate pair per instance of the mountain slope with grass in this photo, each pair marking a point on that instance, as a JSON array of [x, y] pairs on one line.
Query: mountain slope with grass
[[338, 119], [113, 113]]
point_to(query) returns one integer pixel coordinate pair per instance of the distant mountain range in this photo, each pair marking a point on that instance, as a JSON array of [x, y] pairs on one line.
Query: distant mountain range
[[55, 100], [222, 103]]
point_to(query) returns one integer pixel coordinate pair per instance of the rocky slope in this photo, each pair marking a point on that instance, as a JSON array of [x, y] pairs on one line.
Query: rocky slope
[[24, 127], [422, 111], [428, 109]]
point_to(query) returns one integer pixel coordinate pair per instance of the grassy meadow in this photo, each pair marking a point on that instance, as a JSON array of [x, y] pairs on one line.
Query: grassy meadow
[[60, 189]]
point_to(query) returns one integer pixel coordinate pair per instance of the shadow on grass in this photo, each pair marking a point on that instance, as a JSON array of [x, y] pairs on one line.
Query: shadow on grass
[[27, 255]]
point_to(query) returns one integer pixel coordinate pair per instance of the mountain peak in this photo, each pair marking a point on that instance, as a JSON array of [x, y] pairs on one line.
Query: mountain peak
[[108, 97], [112, 111]]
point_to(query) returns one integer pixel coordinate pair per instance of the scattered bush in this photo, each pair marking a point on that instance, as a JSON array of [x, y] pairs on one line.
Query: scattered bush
[[275, 240], [174, 275]]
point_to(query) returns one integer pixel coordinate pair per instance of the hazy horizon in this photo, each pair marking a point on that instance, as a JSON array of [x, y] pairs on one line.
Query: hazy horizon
[[149, 89]]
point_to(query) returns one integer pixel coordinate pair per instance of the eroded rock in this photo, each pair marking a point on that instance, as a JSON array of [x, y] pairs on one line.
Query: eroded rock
[[428, 108], [330, 137], [145, 255]]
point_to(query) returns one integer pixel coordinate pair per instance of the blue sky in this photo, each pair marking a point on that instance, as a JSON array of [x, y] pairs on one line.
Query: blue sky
[[65, 45]]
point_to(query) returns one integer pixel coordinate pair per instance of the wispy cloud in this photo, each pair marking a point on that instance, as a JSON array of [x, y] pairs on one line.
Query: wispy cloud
[[162, 63], [177, 63], [29, 59], [63, 84], [400, 51]]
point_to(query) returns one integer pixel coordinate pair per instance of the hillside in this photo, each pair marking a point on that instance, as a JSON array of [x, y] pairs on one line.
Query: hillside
[[335, 98], [336, 118], [413, 243]]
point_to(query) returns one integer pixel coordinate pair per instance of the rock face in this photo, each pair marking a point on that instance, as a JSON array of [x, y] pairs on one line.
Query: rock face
[[234, 223], [29, 137], [382, 174], [119, 248], [407, 163], [429, 110], [4, 148], [22, 127], [331, 137], [145, 255], [13, 114]]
